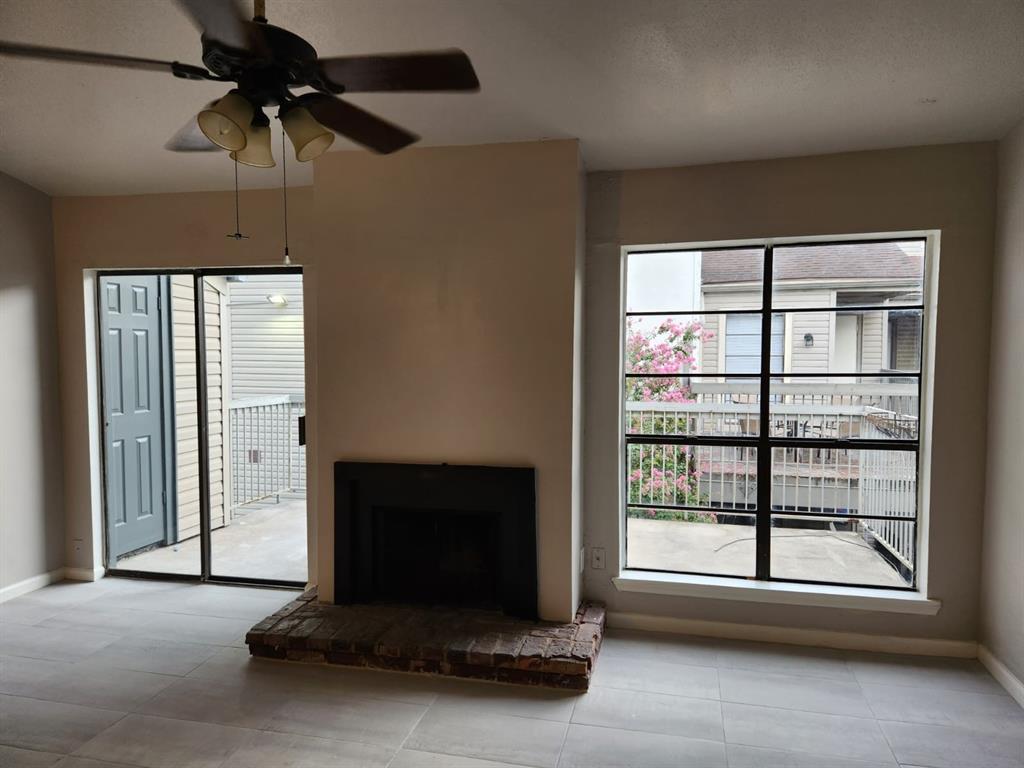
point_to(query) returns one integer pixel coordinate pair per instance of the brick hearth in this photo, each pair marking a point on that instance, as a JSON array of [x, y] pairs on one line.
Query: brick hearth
[[443, 641]]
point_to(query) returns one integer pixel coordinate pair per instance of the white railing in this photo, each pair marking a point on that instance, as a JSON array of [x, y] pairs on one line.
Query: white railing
[[266, 458], [850, 482], [888, 487]]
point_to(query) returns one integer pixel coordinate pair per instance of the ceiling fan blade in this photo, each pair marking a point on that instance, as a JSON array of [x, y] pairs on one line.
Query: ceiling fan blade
[[83, 57], [357, 124], [448, 70], [223, 21], [190, 139]]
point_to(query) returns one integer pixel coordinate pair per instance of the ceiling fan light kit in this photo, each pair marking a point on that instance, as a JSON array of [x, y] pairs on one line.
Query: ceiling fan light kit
[[256, 152], [226, 122], [266, 63], [309, 137]]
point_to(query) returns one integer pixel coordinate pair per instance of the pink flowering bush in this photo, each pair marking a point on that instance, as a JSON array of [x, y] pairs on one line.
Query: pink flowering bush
[[665, 474], [669, 348]]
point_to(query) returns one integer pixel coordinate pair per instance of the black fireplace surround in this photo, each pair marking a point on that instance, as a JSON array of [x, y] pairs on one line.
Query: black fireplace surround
[[436, 534]]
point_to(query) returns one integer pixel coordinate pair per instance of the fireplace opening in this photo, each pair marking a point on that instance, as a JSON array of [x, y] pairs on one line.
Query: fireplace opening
[[436, 534], [444, 557]]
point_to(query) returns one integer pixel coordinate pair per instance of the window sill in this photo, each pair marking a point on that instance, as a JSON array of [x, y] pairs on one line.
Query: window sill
[[719, 588]]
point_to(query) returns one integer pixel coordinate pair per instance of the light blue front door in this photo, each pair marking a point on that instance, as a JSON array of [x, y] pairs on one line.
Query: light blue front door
[[132, 377]]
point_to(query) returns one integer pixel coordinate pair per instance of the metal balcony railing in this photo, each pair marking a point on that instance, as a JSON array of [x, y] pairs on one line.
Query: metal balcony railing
[[847, 481], [266, 458]]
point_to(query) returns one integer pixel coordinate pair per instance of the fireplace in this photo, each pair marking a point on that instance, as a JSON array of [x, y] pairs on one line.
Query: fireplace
[[436, 535]]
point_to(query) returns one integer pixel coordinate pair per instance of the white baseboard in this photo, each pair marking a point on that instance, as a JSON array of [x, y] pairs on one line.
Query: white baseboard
[[30, 584], [1013, 684], [85, 574], [850, 641]]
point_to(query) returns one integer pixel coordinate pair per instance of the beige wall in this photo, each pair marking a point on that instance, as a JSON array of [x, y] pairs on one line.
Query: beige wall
[[950, 188], [443, 285], [578, 327], [1002, 586], [446, 281], [31, 492], [149, 231]]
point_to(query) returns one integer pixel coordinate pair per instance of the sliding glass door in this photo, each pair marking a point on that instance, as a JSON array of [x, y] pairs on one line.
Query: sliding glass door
[[203, 388], [255, 390]]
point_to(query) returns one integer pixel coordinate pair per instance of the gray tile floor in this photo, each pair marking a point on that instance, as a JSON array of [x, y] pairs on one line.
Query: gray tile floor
[[137, 673]]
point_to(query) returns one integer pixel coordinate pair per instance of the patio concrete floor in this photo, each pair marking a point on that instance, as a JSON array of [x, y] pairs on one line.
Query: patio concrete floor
[[265, 540], [268, 541], [710, 548]]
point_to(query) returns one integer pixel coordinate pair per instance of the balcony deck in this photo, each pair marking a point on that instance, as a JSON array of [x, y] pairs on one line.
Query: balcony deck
[[728, 550], [265, 540]]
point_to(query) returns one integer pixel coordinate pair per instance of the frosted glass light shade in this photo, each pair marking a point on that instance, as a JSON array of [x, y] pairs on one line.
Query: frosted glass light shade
[[225, 122], [257, 151], [309, 138]]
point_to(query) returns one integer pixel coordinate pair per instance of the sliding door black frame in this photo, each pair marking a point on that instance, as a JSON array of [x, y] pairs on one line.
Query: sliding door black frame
[[202, 394]]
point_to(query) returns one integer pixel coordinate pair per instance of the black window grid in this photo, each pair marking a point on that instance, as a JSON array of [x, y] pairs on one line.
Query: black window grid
[[763, 511]]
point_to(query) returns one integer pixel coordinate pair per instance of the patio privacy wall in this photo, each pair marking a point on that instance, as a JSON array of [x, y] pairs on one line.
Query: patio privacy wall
[[1002, 587], [950, 188], [443, 284], [31, 497]]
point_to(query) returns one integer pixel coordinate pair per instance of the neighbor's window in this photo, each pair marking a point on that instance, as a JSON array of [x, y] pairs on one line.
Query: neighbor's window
[[827, 408]]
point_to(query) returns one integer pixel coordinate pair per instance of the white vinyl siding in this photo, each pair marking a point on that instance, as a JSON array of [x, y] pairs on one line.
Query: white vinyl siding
[[707, 360], [817, 325], [872, 342], [186, 405], [266, 340]]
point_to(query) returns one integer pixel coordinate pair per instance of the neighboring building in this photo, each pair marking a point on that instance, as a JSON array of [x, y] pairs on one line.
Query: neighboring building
[[843, 277], [186, 399], [267, 347]]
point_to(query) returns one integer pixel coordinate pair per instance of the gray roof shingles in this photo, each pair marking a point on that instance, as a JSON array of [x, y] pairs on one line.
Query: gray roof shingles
[[857, 260]]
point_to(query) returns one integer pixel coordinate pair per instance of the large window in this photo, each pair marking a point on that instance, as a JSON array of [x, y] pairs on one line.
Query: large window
[[772, 411]]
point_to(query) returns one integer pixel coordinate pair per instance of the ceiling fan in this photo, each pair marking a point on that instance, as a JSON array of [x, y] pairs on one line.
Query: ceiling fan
[[266, 63]]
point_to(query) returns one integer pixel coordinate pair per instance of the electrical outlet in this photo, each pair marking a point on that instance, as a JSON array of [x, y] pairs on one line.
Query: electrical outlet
[[78, 544], [597, 558]]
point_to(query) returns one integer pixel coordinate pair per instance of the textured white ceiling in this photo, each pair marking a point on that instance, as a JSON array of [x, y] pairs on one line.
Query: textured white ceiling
[[640, 83]]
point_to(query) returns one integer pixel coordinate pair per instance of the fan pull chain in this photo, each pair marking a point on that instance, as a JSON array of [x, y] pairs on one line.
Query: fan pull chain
[[237, 235], [284, 189]]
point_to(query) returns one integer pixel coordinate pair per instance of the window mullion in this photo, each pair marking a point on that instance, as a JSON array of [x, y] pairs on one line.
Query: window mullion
[[764, 451]]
